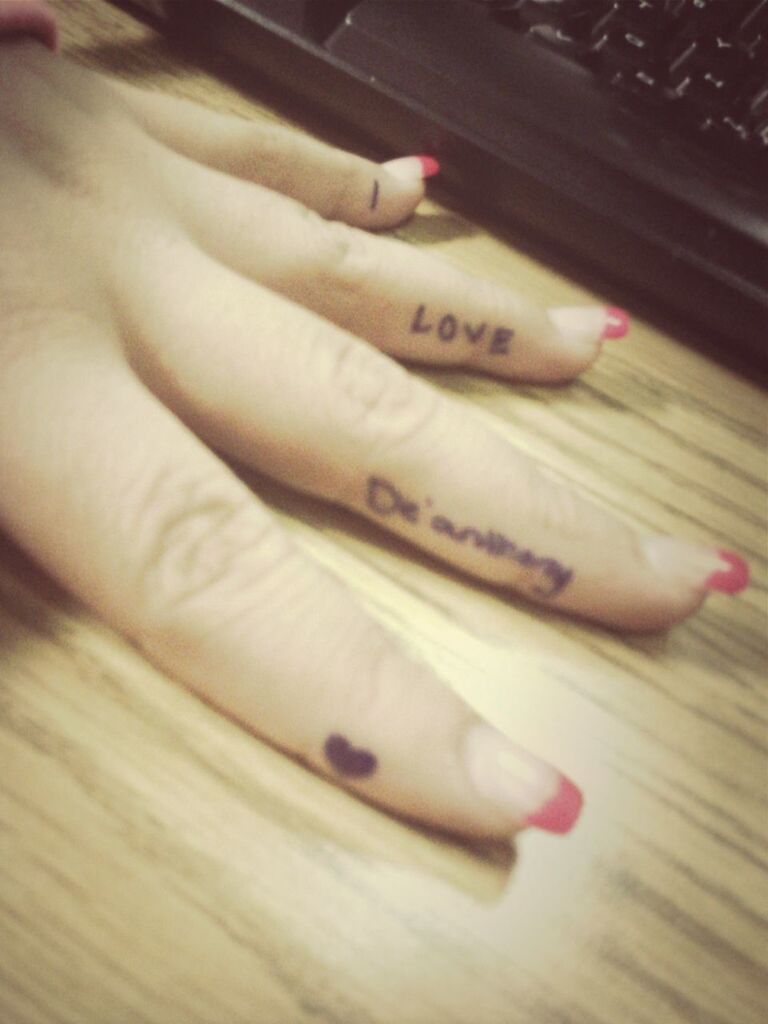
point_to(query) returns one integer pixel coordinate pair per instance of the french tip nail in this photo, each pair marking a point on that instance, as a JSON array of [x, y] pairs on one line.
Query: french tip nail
[[518, 783], [412, 168], [732, 580], [561, 813], [616, 323], [430, 166]]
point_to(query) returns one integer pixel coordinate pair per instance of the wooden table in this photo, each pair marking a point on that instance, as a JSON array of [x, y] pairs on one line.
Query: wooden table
[[160, 865]]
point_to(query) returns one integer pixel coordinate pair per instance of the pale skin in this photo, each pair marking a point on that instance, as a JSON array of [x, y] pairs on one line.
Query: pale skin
[[176, 283]]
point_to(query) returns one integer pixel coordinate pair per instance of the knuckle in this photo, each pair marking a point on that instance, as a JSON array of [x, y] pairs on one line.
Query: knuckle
[[21, 327], [83, 179], [33, 331], [342, 263], [366, 687], [347, 255], [560, 510], [377, 403], [270, 153], [83, 166], [204, 549], [357, 659]]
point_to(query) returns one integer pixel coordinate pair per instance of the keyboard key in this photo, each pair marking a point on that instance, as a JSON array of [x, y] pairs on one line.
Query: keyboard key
[[625, 47], [753, 26], [707, 18], [575, 36], [710, 91], [640, 84], [568, 26], [310, 18], [649, 17], [758, 108], [558, 12]]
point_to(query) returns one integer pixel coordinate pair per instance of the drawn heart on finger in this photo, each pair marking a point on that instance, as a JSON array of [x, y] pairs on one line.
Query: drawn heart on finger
[[354, 762]]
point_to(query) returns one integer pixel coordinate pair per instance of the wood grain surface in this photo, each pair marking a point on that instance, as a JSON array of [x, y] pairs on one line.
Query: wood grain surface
[[158, 864]]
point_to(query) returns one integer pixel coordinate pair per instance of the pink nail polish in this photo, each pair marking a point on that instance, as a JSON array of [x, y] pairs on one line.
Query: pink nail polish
[[429, 166], [616, 323], [518, 783], [559, 814], [732, 580]]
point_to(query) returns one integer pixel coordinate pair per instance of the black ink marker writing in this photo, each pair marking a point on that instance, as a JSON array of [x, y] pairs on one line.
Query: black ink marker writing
[[500, 341], [499, 546], [354, 762], [417, 324], [384, 499], [474, 334], [448, 328]]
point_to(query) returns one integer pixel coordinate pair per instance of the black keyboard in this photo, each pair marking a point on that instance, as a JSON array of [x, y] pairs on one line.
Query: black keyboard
[[628, 135], [698, 66]]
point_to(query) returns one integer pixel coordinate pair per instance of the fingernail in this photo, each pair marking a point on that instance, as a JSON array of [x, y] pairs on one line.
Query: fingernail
[[732, 578], [616, 323], [587, 323], [412, 168], [698, 566], [559, 814], [530, 791]]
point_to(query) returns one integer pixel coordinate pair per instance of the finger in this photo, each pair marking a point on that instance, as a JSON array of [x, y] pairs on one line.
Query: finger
[[399, 298], [316, 408], [131, 511], [21, 17], [336, 184]]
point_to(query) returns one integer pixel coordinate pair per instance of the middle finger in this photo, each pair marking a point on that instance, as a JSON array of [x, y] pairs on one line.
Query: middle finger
[[309, 404]]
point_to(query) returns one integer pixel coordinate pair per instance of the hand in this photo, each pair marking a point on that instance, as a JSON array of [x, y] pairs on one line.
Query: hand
[[175, 283]]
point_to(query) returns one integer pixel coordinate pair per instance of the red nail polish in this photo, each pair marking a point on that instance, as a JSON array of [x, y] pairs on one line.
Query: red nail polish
[[616, 322], [732, 580], [560, 814], [429, 166]]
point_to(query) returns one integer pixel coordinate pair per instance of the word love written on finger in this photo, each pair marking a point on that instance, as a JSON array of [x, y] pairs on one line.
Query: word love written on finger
[[448, 328], [383, 498]]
